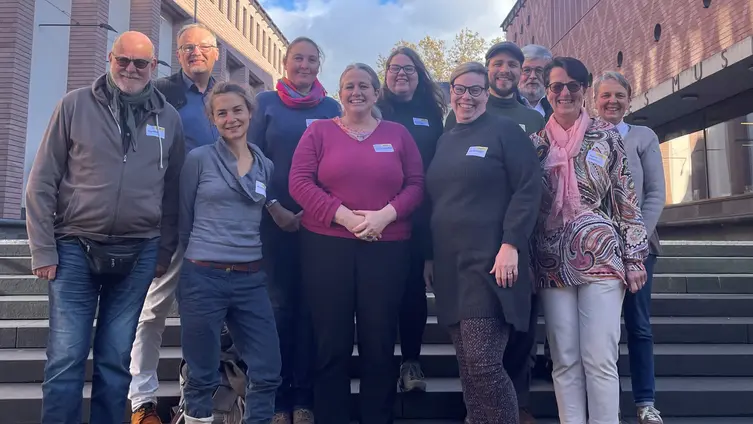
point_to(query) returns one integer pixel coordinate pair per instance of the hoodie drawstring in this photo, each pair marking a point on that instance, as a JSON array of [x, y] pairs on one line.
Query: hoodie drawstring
[[159, 135]]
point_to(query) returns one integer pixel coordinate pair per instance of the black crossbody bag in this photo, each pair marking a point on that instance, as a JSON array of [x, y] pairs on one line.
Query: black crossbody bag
[[116, 260]]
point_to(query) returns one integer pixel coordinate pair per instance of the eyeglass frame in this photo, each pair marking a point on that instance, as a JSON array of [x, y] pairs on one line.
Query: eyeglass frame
[[569, 86], [467, 89], [139, 63], [402, 68], [204, 48]]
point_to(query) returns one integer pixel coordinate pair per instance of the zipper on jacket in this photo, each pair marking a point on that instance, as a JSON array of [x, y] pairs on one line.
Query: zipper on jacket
[[120, 181]]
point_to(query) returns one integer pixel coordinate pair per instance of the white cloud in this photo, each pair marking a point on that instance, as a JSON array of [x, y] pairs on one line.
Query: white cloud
[[359, 30]]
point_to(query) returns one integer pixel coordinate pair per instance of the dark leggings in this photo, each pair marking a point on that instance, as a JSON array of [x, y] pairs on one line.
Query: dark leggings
[[488, 392]]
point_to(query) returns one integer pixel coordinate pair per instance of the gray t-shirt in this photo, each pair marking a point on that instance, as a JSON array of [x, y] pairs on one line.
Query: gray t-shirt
[[220, 212]]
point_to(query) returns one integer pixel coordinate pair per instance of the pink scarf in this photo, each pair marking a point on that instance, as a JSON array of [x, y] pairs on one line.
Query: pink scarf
[[295, 100], [564, 145]]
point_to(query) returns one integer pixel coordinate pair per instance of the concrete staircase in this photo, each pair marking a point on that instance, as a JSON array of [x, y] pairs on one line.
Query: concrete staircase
[[702, 321]]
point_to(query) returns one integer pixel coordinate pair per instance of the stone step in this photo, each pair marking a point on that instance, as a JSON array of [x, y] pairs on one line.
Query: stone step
[[662, 305], [25, 334], [438, 361], [20, 403], [663, 283]]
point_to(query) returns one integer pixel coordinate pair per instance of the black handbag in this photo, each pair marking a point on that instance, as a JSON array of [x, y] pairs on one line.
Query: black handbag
[[111, 259]]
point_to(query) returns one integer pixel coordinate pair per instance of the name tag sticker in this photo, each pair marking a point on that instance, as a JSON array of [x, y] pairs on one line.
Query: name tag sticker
[[261, 188], [523, 126], [421, 122], [478, 151], [596, 158], [383, 148], [310, 121], [155, 131]]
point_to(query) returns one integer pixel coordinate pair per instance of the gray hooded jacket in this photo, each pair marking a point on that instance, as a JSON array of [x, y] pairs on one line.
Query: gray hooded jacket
[[81, 183]]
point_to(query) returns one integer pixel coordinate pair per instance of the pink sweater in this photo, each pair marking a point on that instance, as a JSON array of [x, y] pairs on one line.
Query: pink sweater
[[330, 169]]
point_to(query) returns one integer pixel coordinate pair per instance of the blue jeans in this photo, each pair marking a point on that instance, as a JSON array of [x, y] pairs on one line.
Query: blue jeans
[[73, 296], [637, 310], [209, 297]]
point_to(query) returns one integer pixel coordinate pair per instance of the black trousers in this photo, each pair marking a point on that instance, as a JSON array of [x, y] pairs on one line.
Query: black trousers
[[413, 309], [520, 357], [342, 278], [283, 264]]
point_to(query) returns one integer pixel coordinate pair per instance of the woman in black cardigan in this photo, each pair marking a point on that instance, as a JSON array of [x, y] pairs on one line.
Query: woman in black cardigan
[[485, 188]]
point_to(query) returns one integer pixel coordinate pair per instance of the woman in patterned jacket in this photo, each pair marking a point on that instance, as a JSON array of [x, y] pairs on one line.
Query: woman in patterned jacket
[[589, 246]]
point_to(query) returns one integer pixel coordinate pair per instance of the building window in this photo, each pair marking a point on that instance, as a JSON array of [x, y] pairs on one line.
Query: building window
[[657, 32], [229, 10], [222, 5], [269, 49], [279, 64], [706, 4], [251, 29], [258, 37], [273, 56], [711, 163], [619, 59], [237, 14], [245, 22], [264, 43]]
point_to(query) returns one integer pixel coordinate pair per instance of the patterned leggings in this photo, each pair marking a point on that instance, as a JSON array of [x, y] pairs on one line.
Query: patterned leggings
[[488, 392]]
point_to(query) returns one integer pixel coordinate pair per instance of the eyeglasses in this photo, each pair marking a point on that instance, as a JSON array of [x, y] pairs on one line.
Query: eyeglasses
[[539, 71], [474, 90], [189, 48], [557, 87], [409, 69], [123, 62]]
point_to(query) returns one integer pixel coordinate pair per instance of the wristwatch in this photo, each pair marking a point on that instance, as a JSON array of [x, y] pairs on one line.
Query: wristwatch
[[270, 203]]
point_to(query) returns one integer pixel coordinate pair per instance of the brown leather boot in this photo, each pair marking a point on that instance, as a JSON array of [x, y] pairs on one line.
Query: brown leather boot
[[146, 414]]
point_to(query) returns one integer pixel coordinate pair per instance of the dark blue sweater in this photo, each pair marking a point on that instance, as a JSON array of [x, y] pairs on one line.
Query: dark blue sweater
[[276, 129]]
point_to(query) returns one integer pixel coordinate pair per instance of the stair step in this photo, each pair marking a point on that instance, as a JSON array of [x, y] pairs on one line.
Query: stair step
[[704, 265], [709, 396], [666, 330], [662, 305], [438, 361]]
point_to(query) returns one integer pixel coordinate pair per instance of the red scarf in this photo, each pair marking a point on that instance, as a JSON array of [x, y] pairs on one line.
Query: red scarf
[[295, 100]]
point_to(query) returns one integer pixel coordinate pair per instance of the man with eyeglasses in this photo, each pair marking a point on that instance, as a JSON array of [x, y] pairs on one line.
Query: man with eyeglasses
[[503, 63], [102, 212], [532, 79], [185, 90]]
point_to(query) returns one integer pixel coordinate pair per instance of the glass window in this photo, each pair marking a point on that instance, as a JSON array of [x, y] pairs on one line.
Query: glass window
[[711, 163]]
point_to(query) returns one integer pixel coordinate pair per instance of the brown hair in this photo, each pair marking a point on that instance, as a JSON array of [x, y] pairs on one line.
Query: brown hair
[[428, 91], [227, 87], [303, 40]]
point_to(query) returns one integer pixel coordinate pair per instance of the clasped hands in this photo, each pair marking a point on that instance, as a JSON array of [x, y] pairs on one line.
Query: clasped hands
[[366, 225]]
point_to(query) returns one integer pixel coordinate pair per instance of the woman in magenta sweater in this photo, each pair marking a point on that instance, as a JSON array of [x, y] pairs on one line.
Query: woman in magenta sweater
[[358, 179]]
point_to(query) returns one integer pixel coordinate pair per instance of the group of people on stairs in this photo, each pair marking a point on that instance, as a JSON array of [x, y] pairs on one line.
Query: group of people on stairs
[[284, 215]]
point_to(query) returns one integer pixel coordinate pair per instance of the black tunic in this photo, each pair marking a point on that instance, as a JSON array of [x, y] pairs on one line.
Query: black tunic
[[485, 188]]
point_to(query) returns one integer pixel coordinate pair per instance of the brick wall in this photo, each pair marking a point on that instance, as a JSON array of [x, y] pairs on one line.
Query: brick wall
[[88, 45], [596, 30], [16, 32]]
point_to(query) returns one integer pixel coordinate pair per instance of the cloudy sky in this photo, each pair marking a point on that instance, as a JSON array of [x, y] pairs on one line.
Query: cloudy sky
[[359, 30]]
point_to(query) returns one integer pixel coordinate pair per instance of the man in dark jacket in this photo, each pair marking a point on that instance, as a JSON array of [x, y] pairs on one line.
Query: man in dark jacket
[[102, 211], [185, 90], [531, 83]]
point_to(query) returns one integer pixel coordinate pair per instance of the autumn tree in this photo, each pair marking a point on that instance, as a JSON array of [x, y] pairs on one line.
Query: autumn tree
[[439, 59]]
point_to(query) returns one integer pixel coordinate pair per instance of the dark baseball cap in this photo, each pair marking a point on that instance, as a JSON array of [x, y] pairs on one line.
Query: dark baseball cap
[[505, 47]]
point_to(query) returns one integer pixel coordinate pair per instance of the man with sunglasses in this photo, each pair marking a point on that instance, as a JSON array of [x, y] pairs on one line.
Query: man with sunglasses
[[185, 90], [102, 211]]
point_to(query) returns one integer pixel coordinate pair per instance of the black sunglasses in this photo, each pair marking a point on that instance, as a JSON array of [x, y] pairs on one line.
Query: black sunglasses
[[123, 62], [557, 87]]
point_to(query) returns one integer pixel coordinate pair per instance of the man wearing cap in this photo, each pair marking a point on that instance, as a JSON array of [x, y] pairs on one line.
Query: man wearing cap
[[504, 64]]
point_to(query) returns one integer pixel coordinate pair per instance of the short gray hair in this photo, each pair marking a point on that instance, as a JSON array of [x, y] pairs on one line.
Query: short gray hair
[[535, 51], [468, 68], [614, 76], [196, 25]]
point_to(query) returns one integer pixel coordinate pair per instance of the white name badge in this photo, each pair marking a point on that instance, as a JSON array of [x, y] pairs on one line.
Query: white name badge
[[423, 122], [596, 158], [383, 148], [523, 126], [261, 188], [310, 121], [478, 151], [155, 131]]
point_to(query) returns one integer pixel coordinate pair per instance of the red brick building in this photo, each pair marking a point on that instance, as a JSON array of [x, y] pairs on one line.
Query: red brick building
[[49, 47], [690, 63]]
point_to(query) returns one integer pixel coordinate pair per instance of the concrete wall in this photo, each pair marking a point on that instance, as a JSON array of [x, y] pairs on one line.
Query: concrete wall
[[50, 46], [595, 31]]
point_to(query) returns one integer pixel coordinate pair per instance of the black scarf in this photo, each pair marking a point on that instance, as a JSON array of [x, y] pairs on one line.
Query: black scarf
[[131, 110]]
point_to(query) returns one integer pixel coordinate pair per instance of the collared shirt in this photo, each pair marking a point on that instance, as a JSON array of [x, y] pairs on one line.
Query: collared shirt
[[623, 129], [198, 128], [538, 108]]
